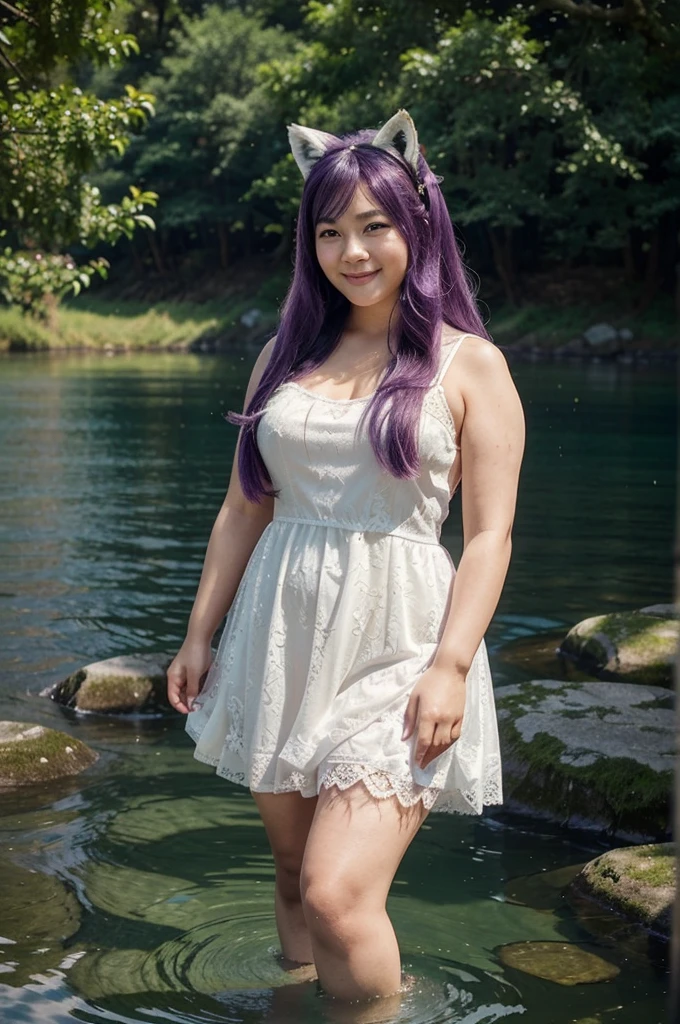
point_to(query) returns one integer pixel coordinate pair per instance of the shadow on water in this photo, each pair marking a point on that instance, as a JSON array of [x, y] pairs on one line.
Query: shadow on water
[[143, 890]]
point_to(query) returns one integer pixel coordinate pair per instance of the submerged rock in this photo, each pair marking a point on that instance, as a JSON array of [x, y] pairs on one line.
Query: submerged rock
[[539, 654], [130, 683], [562, 962], [637, 882], [32, 753], [38, 914], [542, 890], [637, 646], [589, 754]]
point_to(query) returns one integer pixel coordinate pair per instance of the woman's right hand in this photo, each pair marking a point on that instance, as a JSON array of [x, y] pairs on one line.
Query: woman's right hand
[[186, 673]]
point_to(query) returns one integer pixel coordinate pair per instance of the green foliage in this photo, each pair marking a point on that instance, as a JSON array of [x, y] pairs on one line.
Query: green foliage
[[555, 126], [52, 133], [574, 129], [27, 279], [50, 138], [213, 131]]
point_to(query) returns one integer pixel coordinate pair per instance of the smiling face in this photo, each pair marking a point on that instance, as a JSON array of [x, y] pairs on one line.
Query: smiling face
[[361, 253]]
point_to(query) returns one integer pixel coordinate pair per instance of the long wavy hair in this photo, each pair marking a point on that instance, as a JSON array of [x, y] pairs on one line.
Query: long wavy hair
[[436, 289]]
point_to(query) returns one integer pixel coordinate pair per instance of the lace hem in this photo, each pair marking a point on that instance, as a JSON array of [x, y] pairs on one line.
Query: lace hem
[[379, 784]]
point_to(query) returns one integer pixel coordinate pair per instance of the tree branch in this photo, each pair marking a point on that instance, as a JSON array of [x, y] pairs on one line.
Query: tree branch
[[8, 62], [18, 14], [634, 14]]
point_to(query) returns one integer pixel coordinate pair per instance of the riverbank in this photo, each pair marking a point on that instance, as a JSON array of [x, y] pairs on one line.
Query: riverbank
[[536, 329]]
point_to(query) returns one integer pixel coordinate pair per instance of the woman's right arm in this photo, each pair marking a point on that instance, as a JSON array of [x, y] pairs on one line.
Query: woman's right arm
[[237, 529]]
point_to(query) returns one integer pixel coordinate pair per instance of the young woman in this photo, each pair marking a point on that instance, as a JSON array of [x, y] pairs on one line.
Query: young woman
[[351, 690]]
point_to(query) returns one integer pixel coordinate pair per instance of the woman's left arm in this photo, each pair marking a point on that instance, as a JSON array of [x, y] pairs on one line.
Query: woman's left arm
[[491, 449]]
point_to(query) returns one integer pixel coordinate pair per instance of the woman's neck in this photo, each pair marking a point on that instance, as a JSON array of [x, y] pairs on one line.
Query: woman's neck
[[372, 324]]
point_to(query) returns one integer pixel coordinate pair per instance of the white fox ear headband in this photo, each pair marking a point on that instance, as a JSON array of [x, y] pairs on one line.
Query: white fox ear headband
[[398, 134]]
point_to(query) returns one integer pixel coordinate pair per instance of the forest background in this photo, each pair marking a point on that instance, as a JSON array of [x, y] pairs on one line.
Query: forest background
[[143, 156]]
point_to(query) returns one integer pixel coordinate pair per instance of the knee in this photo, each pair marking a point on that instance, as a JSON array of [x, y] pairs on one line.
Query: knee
[[288, 866], [332, 908]]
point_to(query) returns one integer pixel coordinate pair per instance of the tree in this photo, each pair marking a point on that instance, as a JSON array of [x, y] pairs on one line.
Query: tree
[[213, 132], [52, 133]]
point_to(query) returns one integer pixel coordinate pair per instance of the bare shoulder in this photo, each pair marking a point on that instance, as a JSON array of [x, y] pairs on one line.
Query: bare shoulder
[[479, 386], [477, 361]]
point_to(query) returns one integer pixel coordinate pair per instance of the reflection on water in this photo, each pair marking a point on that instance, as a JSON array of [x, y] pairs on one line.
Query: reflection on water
[[143, 891]]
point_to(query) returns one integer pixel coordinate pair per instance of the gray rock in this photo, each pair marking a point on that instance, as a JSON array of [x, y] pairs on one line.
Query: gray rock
[[589, 754], [604, 339], [130, 683], [251, 318], [625, 334], [33, 753], [635, 646], [601, 334], [638, 882]]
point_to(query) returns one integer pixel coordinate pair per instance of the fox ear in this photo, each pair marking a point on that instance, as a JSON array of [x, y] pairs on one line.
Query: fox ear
[[308, 145], [400, 133]]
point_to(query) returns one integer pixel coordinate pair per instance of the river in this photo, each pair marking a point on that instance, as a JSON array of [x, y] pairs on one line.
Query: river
[[142, 891]]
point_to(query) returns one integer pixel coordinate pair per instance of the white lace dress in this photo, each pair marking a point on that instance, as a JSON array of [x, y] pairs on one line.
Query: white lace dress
[[339, 611]]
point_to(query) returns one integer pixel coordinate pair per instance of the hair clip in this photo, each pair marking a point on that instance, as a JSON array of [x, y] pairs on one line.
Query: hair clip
[[421, 189]]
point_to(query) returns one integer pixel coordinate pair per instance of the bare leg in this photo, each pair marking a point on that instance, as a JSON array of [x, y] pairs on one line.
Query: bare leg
[[287, 819], [354, 848]]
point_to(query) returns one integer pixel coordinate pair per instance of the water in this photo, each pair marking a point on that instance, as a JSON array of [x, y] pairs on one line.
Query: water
[[143, 890]]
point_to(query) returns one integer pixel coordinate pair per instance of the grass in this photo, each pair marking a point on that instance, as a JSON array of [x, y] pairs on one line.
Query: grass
[[551, 326], [100, 321]]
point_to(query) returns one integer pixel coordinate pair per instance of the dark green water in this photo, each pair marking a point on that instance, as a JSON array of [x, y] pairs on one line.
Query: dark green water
[[143, 890]]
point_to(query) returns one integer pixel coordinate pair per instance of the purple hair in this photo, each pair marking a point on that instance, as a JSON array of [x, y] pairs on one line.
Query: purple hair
[[436, 288]]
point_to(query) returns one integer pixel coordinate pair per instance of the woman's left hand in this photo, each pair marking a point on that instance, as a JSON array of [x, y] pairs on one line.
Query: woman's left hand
[[435, 711]]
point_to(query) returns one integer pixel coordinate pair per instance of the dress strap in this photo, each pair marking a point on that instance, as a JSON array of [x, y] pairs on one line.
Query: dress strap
[[445, 365]]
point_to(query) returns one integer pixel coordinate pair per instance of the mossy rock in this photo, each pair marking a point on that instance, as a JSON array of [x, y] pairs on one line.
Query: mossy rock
[[589, 754], [33, 753], [128, 684], [638, 882], [635, 647], [565, 963]]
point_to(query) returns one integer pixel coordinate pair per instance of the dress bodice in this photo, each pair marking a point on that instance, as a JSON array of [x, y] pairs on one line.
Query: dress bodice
[[321, 461]]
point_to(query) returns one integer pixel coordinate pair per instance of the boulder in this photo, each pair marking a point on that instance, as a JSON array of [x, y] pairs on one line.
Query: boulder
[[638, 882], [589, 754], [635, 646], [251, 317], [603, 339], [128, 684], [33, 753]]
